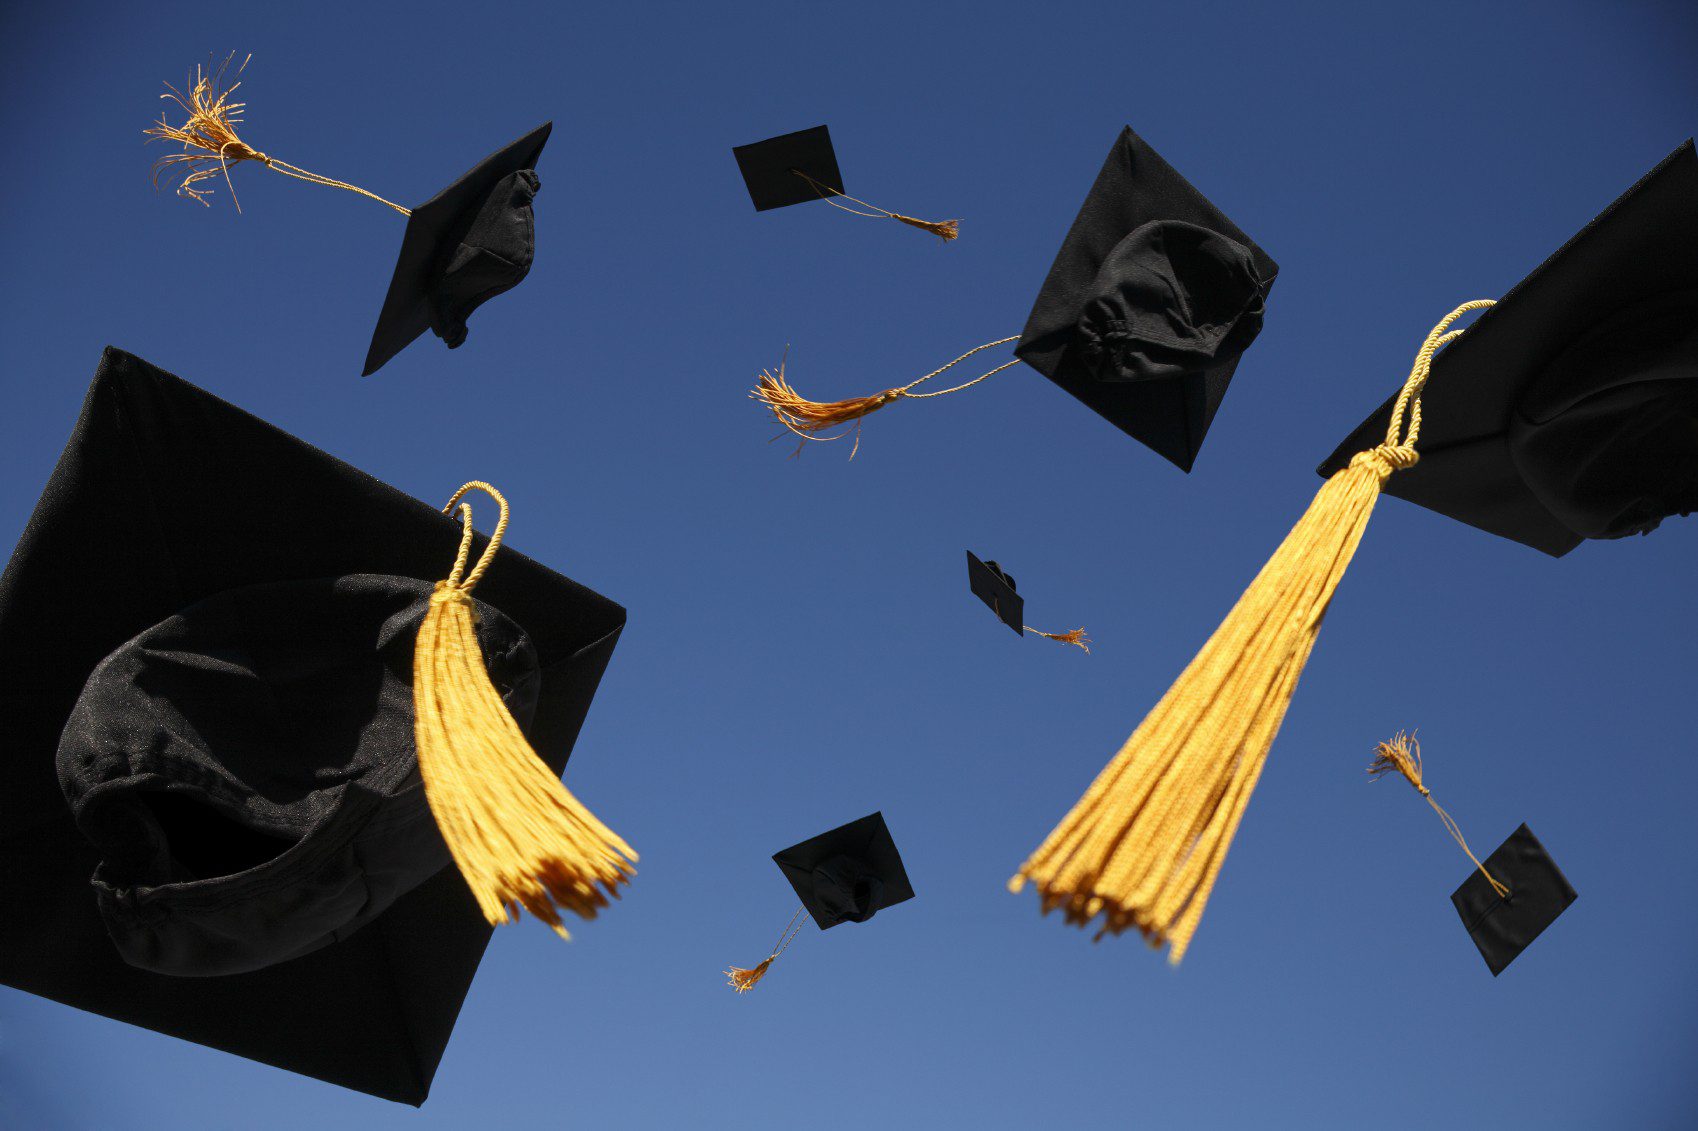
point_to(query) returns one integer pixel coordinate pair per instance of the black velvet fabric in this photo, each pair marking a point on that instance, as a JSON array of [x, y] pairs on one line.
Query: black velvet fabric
[[1504, 926], [769, 168], [468, 243], [164, 497], [996, 589], [1566, 411], [1150, 303], [247, 770], [847, 874]]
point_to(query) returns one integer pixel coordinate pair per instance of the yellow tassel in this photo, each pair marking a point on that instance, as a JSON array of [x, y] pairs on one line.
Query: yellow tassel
[[1076, 637], [211, 145], [1142, 848], [807, 419], [743, 980], [517, 834], [1402, 755]]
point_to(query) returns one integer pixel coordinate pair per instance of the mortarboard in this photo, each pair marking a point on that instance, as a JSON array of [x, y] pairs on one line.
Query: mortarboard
[[797, 167], [468, 243], [1509, 899], [1150, 303], [227, 576], [845, 875], [992, 585], [1570, 409]]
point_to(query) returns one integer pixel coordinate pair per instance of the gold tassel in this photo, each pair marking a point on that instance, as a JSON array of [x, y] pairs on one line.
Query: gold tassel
[[1077, 637], [211, 145], [944, 230], [518, 835], [743, 980], [1402, 755], [807, 419], [1142, 848]]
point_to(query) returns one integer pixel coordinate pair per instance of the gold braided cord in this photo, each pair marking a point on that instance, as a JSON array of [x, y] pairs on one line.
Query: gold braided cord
[[806, 419], [211, 144], [945, 230], [1402, 755], [743, 980], [519, 837], [1144, 845]]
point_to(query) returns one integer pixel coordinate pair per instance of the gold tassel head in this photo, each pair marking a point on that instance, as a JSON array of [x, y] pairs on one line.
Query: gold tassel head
[[519, 837], [743, 980], [944, 230], [1075, 637], [208, 133], [807, 419], [1402, 755]]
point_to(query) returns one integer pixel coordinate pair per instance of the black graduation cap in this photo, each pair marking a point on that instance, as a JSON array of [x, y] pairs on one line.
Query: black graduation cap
[[1503, 926], [1150, 303], [1569, 410], [847, 875], [797, 167], [468, 243], [174, 527], [996, 589]]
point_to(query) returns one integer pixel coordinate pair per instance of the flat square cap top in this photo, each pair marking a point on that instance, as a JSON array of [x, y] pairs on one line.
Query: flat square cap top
[[769, 168], [848, 874], [996, 589], [1503, 927]]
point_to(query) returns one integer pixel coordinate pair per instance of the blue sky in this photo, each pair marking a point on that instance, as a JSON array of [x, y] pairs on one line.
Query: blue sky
[[802, 648]]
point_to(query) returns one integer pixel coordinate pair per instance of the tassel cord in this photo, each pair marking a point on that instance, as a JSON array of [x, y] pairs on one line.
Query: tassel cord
[[945, 230], [743, 980], [1402, 755]]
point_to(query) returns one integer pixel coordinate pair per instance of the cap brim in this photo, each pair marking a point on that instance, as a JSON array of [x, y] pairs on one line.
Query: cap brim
[[435, 226], [997, 594], [769, 168], [1135, 187], [867, 839], [164, 496], [1642, 246]]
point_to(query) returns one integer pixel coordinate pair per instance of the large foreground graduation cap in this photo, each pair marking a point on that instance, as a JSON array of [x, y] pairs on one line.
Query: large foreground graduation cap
[[991, 584], [844, 875], [795, 168], [1146, 311], [470, 242], [1570, 409], [183, 544]]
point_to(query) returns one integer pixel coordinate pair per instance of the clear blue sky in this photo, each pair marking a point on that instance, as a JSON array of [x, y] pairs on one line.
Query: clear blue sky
[[802, 648]]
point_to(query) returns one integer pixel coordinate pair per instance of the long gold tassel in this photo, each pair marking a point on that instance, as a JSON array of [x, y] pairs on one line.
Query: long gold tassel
[[211, 145], [1402, 755], [1142, 848], [743, 980], [944, 230], [807, 419], [518, 835], [1076, 637]]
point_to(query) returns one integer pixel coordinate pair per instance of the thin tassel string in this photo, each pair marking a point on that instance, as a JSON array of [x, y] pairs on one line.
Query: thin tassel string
[[743, 980], [806, 419], [518, 836], [945, 230], [1143, 847], [1402, 755], [211, 144]]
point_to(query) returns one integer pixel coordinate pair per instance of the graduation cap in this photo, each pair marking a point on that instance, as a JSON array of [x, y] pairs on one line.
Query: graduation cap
[[1570, 409], [1149, 305], [246, 735], [1514, 895], [846, 875], [795, 168], [468, 243], [995, 588]]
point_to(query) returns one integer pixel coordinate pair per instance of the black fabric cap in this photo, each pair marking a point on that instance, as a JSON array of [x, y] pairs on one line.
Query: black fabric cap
[[1538, 892], [769, 168], [847, 875], [996, 589], [1570, 409], [247, 769], [164, 497], [1151, 301], [468, 243]]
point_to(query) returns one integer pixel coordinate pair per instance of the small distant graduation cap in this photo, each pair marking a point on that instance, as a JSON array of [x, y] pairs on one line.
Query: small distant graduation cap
[[795, 168], [1507, 900], [1149, 305], [1569, 410], [992, 585], [470, 242], [223, 663], [846, 875]]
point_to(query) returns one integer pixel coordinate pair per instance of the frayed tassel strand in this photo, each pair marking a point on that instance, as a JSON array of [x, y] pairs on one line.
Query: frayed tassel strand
[[743, 980], [1077, 637], [944, 230]]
